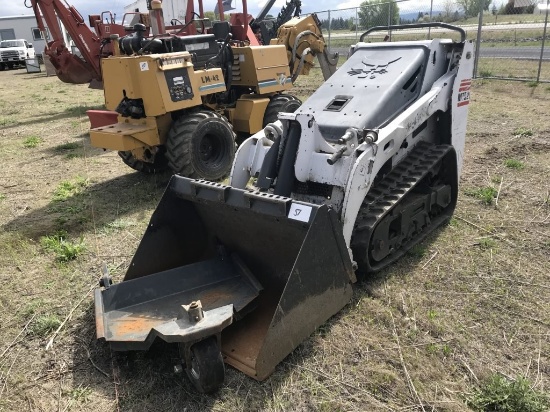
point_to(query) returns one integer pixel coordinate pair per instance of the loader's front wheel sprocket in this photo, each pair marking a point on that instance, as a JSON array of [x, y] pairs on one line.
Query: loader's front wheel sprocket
[[158, 165], [201, 144], [206, 369], [285, 103]]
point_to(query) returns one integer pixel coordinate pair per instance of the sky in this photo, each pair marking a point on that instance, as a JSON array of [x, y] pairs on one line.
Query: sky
[[86, 7]]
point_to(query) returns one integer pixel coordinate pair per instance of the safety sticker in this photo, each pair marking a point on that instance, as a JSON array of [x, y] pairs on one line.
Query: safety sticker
[[299, 212], [464, 92], [144, 66]]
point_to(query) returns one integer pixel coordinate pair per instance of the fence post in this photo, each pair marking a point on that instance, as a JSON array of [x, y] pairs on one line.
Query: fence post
[[389, 18], [431, 11], [356, 24], [478, 40], [329, 24], [543, 40]]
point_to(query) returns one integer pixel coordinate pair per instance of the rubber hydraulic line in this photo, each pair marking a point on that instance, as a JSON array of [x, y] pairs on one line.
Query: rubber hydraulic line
[[285, 179], [268, 172]]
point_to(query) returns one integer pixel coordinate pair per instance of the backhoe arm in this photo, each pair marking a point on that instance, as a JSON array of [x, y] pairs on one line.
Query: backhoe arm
[[69, 67], [304, 41]]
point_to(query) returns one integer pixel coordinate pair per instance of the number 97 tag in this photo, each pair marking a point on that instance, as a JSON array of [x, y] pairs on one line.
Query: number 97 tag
[[299, 212]]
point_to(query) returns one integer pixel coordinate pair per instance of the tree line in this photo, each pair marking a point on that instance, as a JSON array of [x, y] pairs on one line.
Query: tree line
[[385, 12]]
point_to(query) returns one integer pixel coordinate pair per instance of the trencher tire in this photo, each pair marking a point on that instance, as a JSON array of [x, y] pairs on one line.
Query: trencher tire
[[285, 103], [159, 165], [201, 145]]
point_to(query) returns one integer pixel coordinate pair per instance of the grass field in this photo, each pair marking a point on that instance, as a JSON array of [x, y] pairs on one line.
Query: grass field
[[470, 303]]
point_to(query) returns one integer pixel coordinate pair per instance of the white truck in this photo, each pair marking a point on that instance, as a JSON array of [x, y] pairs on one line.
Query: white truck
[[14, 52]]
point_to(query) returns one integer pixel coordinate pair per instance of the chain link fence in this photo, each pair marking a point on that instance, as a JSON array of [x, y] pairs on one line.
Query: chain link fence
[[512, 41]]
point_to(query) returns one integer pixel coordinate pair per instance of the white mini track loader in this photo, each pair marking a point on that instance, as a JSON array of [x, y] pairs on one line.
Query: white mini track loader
[[363, 170]]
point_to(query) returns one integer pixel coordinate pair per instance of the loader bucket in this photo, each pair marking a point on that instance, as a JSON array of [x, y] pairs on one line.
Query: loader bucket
[[268, 270]]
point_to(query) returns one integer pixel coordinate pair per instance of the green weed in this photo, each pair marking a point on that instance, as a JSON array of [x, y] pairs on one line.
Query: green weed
[[31, 307], [514, 164], [485, 194], [118, 224], [503, 395], [64, 250], [68, 188], [45, 324], [68, 209], [2, 196], [6, 121], [432, 314], [74, 155], [431, 348], [523, 132], [418, 251], [485, 73], [487, 243], [67, 146], [32, 141], [532, 84], [80, 394]]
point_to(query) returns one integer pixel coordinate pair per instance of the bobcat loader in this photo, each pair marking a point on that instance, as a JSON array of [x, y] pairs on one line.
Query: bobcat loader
[[363, 170]]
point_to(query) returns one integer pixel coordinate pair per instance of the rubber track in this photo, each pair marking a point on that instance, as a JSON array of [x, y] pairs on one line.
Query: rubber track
[[381, 199]]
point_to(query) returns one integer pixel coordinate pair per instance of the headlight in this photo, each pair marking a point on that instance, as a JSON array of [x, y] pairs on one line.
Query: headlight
[[21, 52]]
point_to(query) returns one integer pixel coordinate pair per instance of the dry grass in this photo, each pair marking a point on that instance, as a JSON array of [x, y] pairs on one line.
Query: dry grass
[[472, 300]]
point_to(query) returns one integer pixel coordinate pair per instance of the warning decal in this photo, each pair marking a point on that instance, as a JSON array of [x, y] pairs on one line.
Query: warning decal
[[464, 92]]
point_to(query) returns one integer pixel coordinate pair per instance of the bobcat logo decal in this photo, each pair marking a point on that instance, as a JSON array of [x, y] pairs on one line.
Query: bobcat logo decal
[[371, 70]]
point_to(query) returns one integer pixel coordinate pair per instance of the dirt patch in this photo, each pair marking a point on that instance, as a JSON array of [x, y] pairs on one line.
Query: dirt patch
[[472, 300]]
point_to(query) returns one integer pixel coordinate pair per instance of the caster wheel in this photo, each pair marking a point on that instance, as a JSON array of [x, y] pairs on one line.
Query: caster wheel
[[206, 369]]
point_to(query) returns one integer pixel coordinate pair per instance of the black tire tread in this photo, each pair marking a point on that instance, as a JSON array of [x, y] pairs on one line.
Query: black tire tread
[[178, 143], [280, 103], [158, 166], [210, 364]]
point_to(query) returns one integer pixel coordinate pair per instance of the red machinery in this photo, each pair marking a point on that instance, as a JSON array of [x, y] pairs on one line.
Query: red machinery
[[93, 46], [69, 67]]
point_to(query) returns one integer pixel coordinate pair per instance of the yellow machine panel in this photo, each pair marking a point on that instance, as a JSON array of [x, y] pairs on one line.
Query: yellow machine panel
[[263, 67], [165, 82], [248, 114], [130, 134]]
